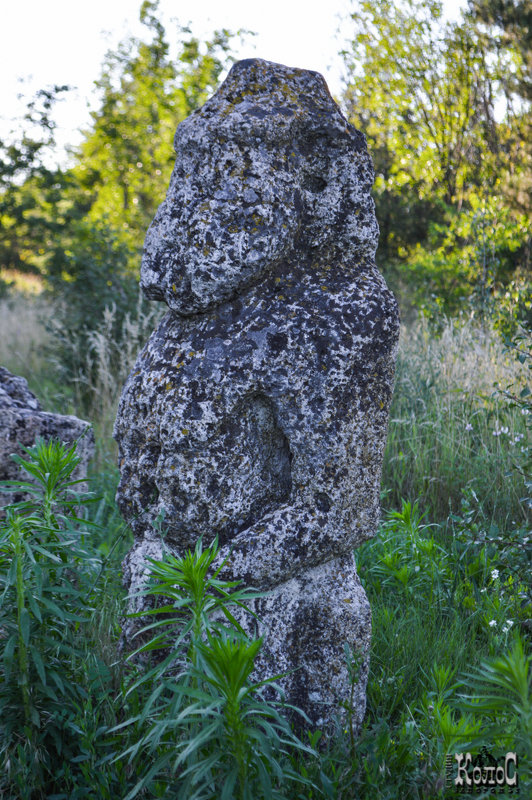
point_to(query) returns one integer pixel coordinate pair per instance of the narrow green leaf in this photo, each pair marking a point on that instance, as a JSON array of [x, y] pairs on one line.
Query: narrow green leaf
[[39, 665], [8, 654], [34, 606], [57, 679], [25, 622], [43, 551], [51, 606]]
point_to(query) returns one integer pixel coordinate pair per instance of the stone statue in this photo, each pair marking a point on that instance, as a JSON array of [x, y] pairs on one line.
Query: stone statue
[[257, 411]]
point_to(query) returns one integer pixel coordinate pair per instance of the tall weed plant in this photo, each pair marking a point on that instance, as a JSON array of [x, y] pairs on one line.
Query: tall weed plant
[[450, 663], [205, 729], [190, 722], [46, 572]]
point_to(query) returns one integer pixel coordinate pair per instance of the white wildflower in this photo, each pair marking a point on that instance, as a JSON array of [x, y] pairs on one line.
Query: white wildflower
[[494, 574], [469, 427], [503, 429], [492, 623]]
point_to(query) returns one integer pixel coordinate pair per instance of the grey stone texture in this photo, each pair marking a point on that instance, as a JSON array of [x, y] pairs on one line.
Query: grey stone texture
[[257, 411], [23, 421]]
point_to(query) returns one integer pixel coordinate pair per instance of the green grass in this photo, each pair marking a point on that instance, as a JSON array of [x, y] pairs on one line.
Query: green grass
[[439, 611], [452, 430], [434, 599], [448, 577]]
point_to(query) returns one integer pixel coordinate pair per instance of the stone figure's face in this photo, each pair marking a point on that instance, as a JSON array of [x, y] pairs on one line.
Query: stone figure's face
[[222, 224], [264, 173]]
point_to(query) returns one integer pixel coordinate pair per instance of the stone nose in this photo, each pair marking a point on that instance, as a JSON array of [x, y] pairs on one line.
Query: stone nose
[[151, 291]]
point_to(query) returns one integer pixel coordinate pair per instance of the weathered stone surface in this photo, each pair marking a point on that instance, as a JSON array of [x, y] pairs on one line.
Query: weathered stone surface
[[257, 411], [22, 422]]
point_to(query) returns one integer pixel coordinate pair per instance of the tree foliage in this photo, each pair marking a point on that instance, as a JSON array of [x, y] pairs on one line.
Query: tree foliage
[[510, 26], [28, 184], [82, 227], [438, 103], [125, 161], [445, 108]]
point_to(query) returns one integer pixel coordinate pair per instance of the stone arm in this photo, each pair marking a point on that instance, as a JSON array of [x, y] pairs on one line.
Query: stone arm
[[281, 544], [326, 515]]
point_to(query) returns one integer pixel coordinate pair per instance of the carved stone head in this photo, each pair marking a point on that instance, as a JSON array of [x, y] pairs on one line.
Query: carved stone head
[[267, 171]]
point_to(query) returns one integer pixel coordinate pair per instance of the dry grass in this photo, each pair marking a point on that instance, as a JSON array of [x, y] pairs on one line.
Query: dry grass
[[24, 335], [104, 361], [29, 337], [467, 358]]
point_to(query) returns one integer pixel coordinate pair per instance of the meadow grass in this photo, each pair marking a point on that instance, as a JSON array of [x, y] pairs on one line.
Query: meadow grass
[[452, 432], [448, 576]]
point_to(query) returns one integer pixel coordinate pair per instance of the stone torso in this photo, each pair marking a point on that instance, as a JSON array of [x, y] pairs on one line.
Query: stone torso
[[273, 399]]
